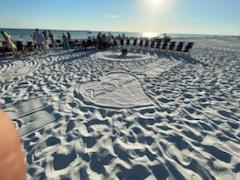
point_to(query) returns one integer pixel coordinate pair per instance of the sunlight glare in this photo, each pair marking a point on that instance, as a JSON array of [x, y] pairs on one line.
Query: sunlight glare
[[155, 5], [150, 34], [156, 2]]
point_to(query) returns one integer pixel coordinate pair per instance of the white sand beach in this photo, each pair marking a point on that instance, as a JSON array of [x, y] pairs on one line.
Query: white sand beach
[[149, 115]]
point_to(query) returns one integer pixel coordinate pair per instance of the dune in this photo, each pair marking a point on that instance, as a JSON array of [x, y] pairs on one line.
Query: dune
[[149, 115]]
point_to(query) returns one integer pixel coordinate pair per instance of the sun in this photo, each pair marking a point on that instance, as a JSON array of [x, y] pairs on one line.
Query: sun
[[153, 8], [156, 2]]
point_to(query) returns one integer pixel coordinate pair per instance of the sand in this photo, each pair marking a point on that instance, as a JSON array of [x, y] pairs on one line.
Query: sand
[[150, 115]]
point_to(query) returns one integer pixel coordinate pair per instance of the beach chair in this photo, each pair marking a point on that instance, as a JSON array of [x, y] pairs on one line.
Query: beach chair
[[141, 43], [121, 42], [135, 42], [152, 44], [115, 43], [165, 45], [172, 46], [188, 47], [89, 43], [19, 46], [76, 42], [5, 50], [159, 42], [180, 46], [128, 42], [77, 46], [59, 43], [166, 40], [84, 45], [71, 43], [29, 46], [146, 43], [94, 42]]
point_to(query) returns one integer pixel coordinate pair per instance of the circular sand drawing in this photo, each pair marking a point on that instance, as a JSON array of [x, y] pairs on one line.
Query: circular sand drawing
[[118, 90], [16, 68], [116, 56]]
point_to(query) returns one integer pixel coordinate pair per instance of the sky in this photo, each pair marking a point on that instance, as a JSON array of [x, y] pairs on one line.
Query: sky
[[170, 16]]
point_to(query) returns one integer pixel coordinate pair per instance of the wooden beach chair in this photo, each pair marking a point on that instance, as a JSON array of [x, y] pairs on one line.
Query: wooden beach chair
[[78, 46], [19, 45], [180, 46], [115, 44], [128, 42], [172, 46], [152, 45], [59, 43], [30, 47], [84, 45], [141, 43], [135, 42], [165, 45], [89, 43], [121, 42], [146, 43], [5, 50], [187, 48], [159, 43]]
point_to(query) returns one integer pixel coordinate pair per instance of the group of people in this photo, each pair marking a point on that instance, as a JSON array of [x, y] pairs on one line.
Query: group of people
[[40, 39], [104, 40]]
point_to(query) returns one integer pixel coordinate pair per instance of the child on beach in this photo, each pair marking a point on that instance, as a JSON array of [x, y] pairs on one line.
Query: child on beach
[[9, 42]]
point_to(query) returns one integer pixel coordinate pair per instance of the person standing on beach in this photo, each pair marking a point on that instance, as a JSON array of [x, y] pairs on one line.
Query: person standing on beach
[[45, 34], [39, 40], [65, 38], [52, 39], [10, 45], [69, 38], [99, 41]]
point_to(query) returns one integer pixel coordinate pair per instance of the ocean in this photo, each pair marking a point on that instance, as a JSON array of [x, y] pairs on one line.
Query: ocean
[[26, 34]]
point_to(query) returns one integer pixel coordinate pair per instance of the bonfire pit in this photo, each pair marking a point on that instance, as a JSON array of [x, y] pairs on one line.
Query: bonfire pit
[[124, 52]]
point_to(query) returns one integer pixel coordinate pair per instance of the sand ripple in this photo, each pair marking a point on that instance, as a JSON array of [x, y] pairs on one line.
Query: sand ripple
[[190, 130]]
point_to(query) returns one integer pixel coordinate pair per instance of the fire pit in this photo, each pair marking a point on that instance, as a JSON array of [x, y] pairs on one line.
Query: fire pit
[[124, 52]]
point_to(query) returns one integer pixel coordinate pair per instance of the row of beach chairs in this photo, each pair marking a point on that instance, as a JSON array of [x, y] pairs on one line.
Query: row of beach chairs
[[159, 44], [29, 46], [83, 45]]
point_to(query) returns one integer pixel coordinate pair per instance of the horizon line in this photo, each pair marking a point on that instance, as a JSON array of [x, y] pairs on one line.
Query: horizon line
[[206, 34]]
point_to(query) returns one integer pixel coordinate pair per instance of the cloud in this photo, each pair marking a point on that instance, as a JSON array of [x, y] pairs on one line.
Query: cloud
[[111, 16]]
